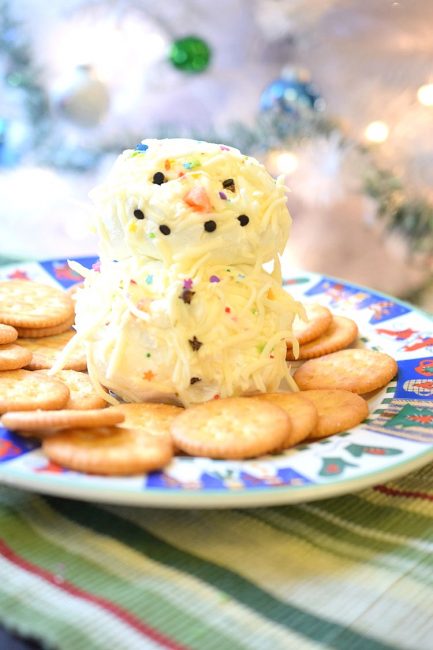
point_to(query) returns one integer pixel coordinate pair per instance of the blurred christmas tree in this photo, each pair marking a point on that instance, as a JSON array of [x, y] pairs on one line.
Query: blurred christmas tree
[[83, 80]]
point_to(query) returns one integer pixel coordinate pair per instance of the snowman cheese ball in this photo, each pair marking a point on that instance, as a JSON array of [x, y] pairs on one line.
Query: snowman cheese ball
[[180, 308]]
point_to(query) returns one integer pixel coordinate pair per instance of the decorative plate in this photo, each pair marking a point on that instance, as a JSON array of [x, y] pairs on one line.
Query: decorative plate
[[395, 439]]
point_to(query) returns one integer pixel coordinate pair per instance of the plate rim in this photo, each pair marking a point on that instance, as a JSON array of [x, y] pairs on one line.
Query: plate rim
[[251, 497]]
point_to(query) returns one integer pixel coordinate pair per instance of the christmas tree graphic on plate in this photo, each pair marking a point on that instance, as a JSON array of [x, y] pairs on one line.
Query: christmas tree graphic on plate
[[412, 417]]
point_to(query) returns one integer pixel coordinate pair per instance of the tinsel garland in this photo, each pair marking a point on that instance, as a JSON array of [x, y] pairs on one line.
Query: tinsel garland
[[412, 216]]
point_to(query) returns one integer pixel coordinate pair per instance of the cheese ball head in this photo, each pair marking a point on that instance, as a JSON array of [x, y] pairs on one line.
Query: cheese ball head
[[185, 201]]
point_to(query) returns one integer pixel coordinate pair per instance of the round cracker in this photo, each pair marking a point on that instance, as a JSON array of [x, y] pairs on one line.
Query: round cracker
[[8, 334], [154, 419], [319, 319], [21, 390], [47, 422], [41, 332], [302, 414], [338, 410], [113, 451], [341, 333], [358, 370], [83, 395], [232, 428], [24, 303], [14, 356], [46, 350]]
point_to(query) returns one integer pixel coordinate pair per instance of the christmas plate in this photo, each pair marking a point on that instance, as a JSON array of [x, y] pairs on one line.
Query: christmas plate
[[396, 438]]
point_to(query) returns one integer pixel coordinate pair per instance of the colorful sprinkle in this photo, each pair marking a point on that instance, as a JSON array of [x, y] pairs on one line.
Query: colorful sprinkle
[[222, 196], [214, 278], [187, 284], [254, 312], [149, 279], [149, 375], [224, 148], [141, 147], [151, 235], [227, 310], [260, 348], [191, 164], [97, 266], [270, 295], [167, 165], [132, 282], [195, 343], [148, 355]]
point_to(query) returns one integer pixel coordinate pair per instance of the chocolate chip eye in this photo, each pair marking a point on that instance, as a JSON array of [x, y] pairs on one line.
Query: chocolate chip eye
[[138, 214], [158, 178], [243, 220], [229, 184], [164, 229], [210, 226]]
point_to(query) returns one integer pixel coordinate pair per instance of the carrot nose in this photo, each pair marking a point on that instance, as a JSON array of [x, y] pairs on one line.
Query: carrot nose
[[198, 199]]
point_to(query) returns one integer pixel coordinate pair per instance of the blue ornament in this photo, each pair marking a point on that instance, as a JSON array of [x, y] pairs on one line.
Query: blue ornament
[[292, 93]]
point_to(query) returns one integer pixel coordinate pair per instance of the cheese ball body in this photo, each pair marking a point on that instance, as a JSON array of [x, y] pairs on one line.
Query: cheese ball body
[[154, 333]]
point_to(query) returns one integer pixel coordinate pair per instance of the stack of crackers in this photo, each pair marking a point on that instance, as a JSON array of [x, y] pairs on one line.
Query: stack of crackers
[[81, 432]]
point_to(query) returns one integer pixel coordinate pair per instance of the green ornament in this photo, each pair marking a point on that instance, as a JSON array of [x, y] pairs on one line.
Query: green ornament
[[190, 54]]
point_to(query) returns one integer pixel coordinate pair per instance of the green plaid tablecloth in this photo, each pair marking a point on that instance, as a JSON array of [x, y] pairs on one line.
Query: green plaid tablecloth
[[352, 573]]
